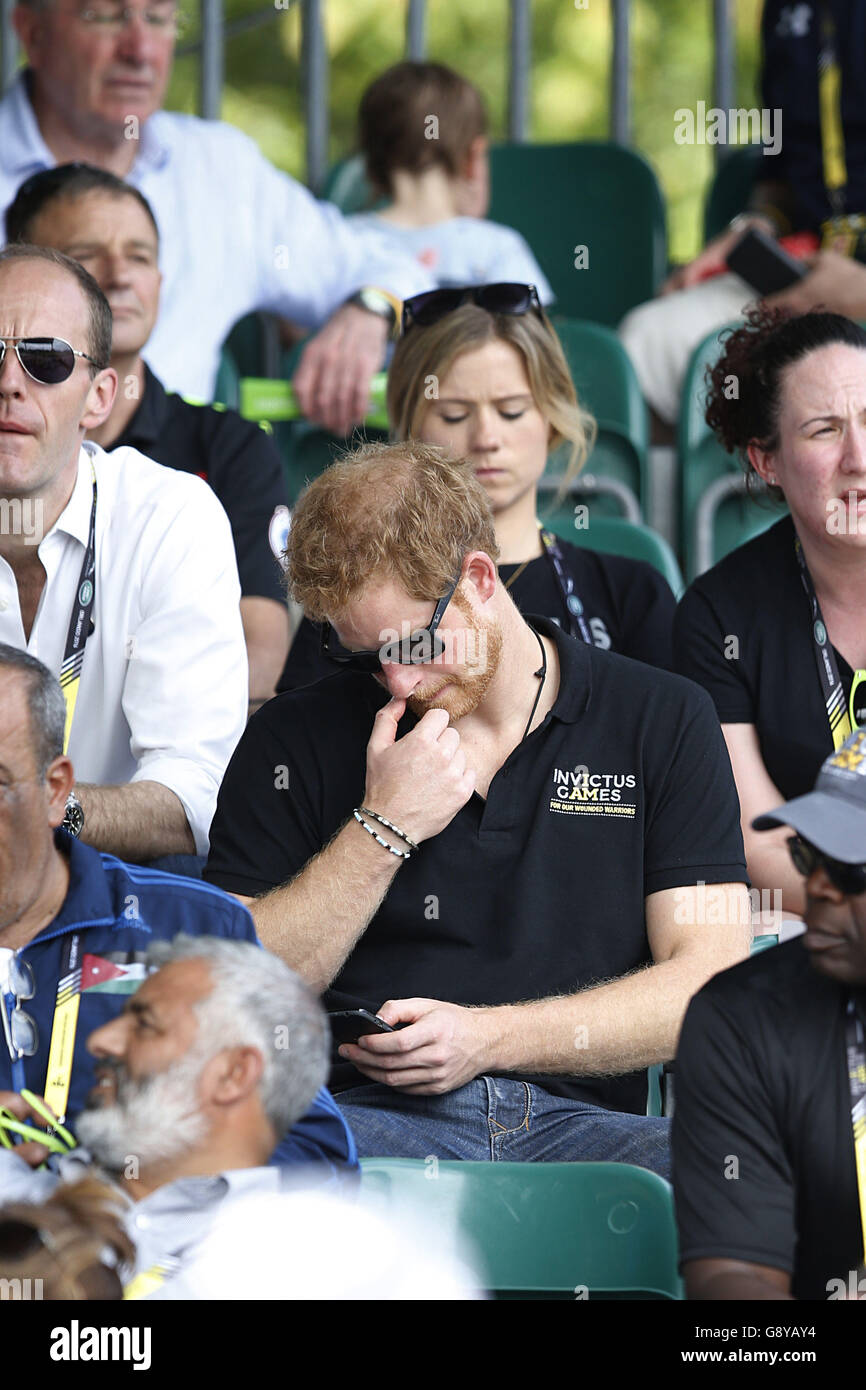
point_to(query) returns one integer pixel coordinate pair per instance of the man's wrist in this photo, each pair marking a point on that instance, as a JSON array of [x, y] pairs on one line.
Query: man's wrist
[[494, 1026], [381, 303], [73, 819]]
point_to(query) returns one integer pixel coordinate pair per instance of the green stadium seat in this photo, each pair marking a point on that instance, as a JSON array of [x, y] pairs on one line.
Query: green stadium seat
[[716, 512], [731, 187], [592, 194], [544, 1230], [614, 536], [762, 943], [254, 345], [347, 187], [227, 388], [589, 193], [607, 386]]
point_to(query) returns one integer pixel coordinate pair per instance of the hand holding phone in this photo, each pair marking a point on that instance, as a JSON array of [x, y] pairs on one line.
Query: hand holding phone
[[763, 263], [348, 1025]]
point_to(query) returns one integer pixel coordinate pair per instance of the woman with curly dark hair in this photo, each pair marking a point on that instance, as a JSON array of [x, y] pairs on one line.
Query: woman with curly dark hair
[[776, 632]]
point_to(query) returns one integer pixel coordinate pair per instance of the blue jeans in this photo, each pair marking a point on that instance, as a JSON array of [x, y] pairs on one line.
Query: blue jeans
[[494, 1118]]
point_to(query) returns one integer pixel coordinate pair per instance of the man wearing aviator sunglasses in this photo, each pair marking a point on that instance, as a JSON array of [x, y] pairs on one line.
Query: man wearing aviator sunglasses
[[120, 572], [416, 649], [501, 813], [771, 1069]]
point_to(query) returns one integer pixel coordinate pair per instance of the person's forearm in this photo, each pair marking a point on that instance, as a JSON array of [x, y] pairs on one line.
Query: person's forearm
[[608, 1030], [266, 633], [751, 1288], [138, 821], [781, 890], [313, 922]]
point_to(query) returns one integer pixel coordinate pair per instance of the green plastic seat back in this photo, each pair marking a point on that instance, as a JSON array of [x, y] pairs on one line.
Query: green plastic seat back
[[589, 194], [613, 536], [702, 461], [307, 450], [246, 345], [731, 187], [227, 387], [544, 1229], [607, 386], [762, 943], [348, 187]]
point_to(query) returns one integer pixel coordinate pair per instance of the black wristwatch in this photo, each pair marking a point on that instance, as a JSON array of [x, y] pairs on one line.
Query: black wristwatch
[[73, 821], [377, 302]]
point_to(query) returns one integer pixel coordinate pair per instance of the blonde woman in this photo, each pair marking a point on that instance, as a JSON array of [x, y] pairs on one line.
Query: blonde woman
[[481, 372]]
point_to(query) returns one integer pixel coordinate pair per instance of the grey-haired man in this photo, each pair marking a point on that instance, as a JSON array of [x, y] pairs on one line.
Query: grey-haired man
[[213, 1059]]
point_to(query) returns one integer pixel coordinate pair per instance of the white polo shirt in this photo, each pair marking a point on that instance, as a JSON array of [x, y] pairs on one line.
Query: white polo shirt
[[163, 693], [236, 235]]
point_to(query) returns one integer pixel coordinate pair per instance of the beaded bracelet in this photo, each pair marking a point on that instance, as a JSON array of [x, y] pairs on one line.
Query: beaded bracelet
[[401, 853], [365, 810]]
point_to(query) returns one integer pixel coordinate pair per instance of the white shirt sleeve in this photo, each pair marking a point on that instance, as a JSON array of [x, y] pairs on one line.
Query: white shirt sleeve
[[311, 258], [186, 689]]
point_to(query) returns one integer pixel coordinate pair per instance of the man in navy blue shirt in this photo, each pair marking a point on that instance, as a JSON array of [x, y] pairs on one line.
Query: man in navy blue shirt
[[75, 924]]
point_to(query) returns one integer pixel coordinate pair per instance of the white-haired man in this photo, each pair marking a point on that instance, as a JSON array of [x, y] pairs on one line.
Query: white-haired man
[[213, 1059], [238, 235]]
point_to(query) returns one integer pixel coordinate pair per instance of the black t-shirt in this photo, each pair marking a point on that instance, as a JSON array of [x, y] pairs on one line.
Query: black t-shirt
[[240, 463], [791, 43], [752, 605], [537, 891], [628, 605], [763, 1152]]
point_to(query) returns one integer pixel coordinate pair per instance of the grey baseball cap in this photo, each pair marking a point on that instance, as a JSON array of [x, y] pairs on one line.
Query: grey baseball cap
[[833, 816]]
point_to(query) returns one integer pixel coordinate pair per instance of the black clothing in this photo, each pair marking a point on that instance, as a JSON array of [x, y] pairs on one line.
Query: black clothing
[[235, 457], [625, 789], [763, 1151], [791, 44], [628, 604], [755, 596]]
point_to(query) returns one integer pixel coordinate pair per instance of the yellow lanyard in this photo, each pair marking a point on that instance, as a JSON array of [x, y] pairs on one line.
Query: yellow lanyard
[[149, 1280], [62, 1048], [830, 105]]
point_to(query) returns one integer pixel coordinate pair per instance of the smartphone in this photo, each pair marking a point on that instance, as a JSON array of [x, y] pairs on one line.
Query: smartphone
[[348, 1025], [763, 263]]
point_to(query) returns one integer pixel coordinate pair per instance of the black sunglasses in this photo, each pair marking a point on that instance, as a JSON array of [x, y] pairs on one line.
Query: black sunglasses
[[505, 298], [47, 360], [422, 645], [850, 879]]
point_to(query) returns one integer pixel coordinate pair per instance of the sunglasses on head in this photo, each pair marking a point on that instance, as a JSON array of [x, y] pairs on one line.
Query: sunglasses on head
[[422, 645], [47, 360], [850, 879], [505, 298]]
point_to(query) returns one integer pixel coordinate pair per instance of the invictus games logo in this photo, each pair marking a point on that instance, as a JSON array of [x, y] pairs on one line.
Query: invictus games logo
[[578, 791]]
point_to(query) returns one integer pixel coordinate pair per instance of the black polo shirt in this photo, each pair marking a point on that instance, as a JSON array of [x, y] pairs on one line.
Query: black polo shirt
[[752, 605], [537, 890], [237, 459], [628, 605], [792, 41], [763, 1152]]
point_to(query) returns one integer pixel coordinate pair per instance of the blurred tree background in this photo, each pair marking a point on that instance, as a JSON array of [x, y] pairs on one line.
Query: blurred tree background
[[671, 67]]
